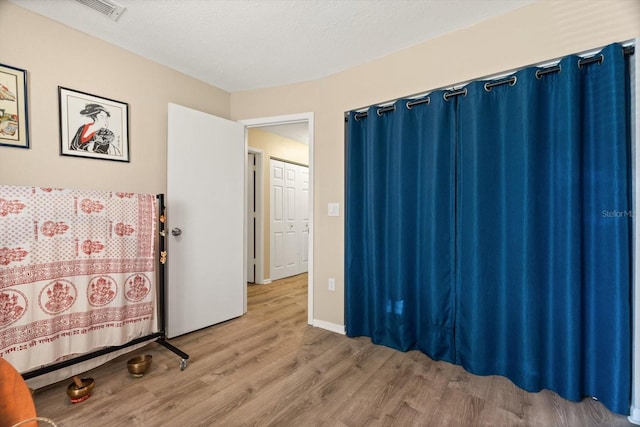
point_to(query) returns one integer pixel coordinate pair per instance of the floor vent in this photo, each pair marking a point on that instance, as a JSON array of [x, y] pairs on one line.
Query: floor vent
[[107, 7]]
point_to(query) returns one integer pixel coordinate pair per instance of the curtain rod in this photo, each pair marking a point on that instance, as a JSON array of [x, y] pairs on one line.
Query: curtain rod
[[423, 98]]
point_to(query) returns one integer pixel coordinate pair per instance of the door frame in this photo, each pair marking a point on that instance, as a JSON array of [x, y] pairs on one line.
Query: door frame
[[278, 120]]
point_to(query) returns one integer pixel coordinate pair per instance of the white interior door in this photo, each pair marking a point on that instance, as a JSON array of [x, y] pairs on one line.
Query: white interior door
[[205, 220], [251, 218]]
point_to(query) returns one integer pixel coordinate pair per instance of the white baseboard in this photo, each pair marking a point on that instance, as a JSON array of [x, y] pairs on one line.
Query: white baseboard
[[634, 418], [266, 282], [338, 329]]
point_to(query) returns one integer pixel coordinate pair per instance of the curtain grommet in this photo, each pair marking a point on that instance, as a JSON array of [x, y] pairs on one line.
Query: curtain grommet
[[548, 70], [489, 85], [410, 104], [448, 95], [586, 61], [361, 115], [382, 110]]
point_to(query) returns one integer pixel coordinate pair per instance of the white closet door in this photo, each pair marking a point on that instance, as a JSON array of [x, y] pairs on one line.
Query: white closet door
[[277, 223], [289, 219], [303, 209]]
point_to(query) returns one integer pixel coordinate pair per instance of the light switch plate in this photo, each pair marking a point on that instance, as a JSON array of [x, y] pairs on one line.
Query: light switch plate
[[334, 209]]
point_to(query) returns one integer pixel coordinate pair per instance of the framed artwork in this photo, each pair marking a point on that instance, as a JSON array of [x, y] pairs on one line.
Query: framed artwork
[[92, 126], [14, 125]]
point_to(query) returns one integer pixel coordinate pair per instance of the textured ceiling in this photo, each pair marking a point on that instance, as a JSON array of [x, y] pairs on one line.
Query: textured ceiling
[[295, 131], [246, 44]]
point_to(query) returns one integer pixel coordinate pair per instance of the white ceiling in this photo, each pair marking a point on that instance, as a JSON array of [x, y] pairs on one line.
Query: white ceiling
[[247, 44]]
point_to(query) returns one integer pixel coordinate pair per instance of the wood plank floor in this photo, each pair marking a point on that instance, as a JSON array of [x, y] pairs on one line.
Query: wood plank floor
[[269, 368]]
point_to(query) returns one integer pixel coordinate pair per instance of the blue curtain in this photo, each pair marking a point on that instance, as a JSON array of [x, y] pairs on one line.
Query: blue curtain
[[400, 225], [494, 229], [544, 231]]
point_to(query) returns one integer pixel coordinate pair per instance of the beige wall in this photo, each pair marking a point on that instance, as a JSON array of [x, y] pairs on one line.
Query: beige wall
[[277, 147], [539, 32], [55, 55]]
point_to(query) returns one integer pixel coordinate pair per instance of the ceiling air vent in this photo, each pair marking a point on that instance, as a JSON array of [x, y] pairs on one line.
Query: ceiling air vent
[[106, 7]]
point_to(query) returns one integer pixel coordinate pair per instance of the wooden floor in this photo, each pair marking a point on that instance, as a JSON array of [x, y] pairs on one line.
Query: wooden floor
[[269, 368]]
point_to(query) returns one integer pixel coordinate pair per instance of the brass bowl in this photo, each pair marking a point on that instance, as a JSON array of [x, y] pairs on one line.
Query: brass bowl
[[139, 365], [77, 393]]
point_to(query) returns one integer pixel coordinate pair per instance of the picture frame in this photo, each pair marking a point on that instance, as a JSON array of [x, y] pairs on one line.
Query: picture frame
[[14, 117], [93, 126]]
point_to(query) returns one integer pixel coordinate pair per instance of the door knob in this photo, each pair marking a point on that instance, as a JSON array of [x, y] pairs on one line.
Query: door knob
[[176, 231]]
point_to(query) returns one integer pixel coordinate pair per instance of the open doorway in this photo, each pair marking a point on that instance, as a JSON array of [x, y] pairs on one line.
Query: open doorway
[[292, 127]]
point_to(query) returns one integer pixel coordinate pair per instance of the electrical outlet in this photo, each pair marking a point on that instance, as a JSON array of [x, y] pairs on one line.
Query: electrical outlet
[[332, 284]]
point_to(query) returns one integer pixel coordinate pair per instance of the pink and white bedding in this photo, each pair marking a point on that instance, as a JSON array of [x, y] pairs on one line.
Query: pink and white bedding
[[77, 272]]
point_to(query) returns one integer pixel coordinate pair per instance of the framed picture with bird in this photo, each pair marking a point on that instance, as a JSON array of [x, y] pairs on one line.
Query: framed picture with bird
[[14, 123]]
